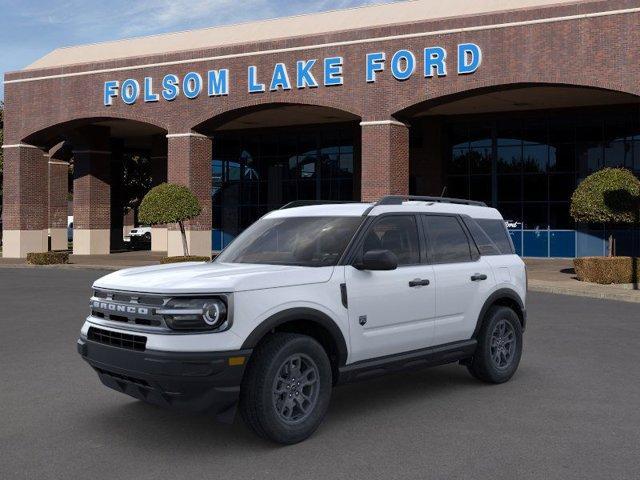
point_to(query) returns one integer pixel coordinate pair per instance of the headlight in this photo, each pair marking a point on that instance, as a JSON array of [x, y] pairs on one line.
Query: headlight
[[196, 314]]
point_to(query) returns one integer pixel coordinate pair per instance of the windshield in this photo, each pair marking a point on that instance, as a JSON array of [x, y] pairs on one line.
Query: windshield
[[303, 241]]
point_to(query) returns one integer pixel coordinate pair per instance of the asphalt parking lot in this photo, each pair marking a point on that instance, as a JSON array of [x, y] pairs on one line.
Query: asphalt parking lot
[[571, 411]]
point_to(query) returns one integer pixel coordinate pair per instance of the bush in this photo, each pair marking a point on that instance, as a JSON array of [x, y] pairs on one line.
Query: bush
[[48, 258], [607, 270], [609, 195], [187, 258]]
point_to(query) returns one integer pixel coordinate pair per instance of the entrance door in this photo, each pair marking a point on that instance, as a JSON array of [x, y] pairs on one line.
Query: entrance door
[[391, 311]]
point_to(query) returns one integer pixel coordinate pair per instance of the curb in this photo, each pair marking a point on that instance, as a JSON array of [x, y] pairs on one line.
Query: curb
[[549, 287]]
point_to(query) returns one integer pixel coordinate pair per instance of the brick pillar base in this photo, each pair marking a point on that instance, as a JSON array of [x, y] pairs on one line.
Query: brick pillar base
[[385, 159], [58, 189], [91, 191], [159, 239], [91, 202], [189, 164], [24, 200]]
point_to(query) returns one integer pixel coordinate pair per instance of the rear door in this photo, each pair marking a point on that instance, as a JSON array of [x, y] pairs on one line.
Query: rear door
[[463, 279], [391, 311]]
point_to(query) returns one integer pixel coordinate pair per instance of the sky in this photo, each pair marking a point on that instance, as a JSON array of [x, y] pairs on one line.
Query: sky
[[30, 29]]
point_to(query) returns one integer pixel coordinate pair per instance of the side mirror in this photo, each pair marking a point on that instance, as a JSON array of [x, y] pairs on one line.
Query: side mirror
[[378, 260]]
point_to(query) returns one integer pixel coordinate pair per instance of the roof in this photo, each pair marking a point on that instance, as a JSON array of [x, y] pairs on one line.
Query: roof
[[279, 28], [358, 209]]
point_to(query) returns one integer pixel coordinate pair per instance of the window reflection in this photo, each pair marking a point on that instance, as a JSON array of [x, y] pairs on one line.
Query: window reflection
[[255, 171], [539, 159]]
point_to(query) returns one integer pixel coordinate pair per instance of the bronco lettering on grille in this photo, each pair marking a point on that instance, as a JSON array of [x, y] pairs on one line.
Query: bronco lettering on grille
[[114, 307]]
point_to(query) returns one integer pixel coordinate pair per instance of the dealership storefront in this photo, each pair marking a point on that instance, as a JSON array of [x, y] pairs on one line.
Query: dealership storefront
[[512, 107]]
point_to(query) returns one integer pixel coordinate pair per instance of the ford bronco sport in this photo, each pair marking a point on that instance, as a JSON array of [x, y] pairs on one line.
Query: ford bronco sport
[[309, 297]]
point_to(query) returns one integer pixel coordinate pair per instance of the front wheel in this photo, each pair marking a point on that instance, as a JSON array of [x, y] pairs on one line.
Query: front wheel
[[286, 390], [499, 346]]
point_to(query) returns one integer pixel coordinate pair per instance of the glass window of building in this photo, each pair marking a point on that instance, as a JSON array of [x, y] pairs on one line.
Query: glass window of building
[[256, 171]]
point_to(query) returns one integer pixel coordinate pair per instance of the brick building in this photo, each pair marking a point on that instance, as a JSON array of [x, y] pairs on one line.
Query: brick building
[[507, 101]]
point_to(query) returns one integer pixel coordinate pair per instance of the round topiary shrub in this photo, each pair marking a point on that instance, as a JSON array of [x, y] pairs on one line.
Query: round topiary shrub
[[170, 203], [609, 196]]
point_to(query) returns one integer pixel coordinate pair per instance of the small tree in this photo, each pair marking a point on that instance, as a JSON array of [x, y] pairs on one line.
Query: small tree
[[608, 196], [170, 203]]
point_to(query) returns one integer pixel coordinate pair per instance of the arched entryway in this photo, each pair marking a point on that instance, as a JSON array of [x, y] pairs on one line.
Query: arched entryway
[[112, 162], [266, 156], [523, 149]]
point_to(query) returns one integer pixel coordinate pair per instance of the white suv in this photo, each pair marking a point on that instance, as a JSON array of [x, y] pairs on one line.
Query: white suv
[[309, 297]]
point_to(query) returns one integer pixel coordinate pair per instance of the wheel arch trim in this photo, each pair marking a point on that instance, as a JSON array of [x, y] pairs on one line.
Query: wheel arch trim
[[502, 293], [300, 314]]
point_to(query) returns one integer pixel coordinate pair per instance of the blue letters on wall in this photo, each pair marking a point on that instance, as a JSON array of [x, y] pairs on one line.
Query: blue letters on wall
[[402, 67]]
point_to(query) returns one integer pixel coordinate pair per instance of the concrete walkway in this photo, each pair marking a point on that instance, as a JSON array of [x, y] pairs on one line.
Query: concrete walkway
[[557, 276], [545, 275]]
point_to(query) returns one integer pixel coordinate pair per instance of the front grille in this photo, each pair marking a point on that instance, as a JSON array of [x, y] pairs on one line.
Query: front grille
[[117, 339], [130, 308]]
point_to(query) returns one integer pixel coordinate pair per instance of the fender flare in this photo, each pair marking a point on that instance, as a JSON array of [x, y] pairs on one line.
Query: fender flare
[[493, 298], [297, 314]]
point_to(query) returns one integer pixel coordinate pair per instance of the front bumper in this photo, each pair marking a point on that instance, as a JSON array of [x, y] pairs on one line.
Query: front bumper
[[193, 381]]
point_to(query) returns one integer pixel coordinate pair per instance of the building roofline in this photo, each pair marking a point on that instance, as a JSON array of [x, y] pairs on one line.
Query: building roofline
[[231, 25], [60, 72], [296, 26]]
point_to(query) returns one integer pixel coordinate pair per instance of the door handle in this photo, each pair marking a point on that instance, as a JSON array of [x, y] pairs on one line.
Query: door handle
[[418, 282], [478, 276]]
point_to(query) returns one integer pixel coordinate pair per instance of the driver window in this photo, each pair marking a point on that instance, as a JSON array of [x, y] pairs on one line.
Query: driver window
[[398, 234]]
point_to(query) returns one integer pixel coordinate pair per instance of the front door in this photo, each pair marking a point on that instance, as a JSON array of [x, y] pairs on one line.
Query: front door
[[391, 311]]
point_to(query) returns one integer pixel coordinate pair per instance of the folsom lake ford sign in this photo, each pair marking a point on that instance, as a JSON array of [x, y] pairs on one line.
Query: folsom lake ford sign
[[310, 73]]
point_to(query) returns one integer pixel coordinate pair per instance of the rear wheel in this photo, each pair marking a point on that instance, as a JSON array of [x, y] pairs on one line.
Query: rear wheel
[[286, 390], [499, 346]]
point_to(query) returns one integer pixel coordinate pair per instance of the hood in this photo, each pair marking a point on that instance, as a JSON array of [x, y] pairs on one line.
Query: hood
[[199, 277]]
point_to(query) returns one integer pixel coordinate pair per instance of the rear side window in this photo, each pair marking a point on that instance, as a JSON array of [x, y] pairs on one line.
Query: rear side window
[[497, 232], [447, 240], [486, 245]]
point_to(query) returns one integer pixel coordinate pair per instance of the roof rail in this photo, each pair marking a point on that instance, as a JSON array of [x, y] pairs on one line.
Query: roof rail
[[398, 199], [307, 203]]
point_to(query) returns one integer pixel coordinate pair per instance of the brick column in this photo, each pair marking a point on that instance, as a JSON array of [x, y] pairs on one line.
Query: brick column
[[385, 159], [158, 175], [24, 201], [189, 164], [58, 190], [92, 192]]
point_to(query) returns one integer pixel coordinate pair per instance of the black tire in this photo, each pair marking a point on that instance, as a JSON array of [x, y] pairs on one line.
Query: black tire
[[493, 361], [262, 395]]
